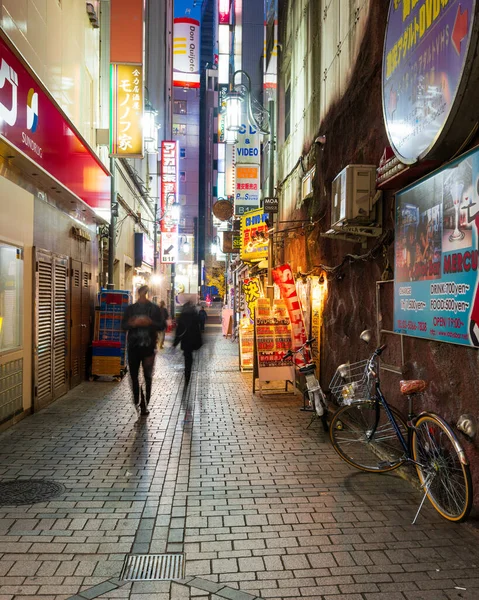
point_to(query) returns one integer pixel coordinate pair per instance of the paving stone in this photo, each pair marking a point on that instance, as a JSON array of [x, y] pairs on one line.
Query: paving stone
[[261, 506]]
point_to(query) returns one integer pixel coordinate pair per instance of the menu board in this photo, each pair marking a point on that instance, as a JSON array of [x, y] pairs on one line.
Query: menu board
[[246, 344], [273, 340]]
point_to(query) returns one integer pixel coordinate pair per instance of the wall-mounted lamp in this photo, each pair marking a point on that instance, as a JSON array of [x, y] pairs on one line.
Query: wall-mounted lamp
[[215, 245], [150, 129], [184, 244]]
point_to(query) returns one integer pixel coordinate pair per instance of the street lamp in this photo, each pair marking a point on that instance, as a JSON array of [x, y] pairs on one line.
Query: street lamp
[[240, 92], [263, 119]]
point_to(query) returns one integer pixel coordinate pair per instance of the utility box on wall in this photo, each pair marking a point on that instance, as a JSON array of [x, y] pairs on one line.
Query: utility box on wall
[[352, 194]]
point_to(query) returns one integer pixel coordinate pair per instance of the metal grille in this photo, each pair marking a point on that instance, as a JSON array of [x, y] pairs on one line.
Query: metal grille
[[153, 567]]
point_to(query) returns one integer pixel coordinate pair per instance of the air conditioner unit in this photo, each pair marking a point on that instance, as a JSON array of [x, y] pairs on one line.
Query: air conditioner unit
[[352, 195]]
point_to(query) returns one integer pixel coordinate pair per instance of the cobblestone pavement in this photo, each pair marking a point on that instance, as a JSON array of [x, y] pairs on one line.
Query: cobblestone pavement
[[260, 505]]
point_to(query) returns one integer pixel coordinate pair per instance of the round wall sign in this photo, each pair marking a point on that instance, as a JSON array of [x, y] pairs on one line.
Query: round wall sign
[[223, 210], [429, 76]]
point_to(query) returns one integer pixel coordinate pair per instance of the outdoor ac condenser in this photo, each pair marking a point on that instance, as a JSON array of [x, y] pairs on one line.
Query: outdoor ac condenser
[[352, 194]]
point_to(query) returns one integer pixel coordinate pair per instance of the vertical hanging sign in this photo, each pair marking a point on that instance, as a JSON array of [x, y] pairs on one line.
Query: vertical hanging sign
[[126, 112], [169, 194], [186, 44], [126, 78]]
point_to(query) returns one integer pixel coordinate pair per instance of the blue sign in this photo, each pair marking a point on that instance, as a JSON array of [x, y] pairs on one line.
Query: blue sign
[[436, 293], [425, 53]]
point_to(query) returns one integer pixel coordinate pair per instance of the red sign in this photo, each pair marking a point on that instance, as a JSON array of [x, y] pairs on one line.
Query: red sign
[[224, 12], [283, 278], [32, 122], [169, 194]]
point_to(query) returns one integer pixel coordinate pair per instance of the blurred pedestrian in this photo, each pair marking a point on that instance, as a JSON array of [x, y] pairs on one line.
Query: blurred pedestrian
[[142, 320], [164, 316], [203, 316], [188, 334]]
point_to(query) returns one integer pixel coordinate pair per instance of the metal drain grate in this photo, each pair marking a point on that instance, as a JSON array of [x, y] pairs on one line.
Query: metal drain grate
[[153, 567]]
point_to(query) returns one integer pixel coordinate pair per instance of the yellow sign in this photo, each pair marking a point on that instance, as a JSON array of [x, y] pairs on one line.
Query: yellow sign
[[254, 236], [126, 97]]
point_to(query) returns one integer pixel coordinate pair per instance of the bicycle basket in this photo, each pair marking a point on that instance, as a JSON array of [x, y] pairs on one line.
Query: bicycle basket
[[350, 383]]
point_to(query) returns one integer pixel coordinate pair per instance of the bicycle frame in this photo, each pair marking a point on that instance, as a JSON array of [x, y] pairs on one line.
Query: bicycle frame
[[406, 444]]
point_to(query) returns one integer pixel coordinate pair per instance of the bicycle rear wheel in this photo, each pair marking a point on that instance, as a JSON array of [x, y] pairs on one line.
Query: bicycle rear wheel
[[442, 467], [363, 436]]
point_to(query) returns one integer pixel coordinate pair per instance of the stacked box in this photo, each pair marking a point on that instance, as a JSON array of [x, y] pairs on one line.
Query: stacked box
[[109, 347]]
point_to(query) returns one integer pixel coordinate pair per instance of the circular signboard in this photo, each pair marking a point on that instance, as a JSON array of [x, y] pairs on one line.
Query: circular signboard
[[223, 210], [429, 77]]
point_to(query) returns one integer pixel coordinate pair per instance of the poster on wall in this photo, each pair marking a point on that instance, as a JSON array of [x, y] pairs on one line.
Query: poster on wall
[[436, 255], [254, 236]]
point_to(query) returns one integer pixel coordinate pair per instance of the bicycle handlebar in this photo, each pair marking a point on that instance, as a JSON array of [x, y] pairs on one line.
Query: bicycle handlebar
[[380, 350]]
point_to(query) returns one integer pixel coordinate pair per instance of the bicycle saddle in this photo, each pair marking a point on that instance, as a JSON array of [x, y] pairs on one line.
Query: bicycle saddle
[[412, 386]]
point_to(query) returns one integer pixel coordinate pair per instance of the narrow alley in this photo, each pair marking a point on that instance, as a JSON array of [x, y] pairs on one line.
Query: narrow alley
[[254, 503]]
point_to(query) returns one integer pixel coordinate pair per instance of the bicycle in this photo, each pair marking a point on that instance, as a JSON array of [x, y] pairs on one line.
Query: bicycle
[[313, 391], [372, 436]]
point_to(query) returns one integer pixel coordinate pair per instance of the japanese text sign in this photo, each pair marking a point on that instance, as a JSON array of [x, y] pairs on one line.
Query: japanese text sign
[[436, 293], [169, 195], [254, 236], [126, 111], [426, 56], [283, 278]]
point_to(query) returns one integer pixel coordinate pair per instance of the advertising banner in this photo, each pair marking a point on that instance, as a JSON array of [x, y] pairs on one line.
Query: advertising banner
[[248, 172], [186, 43], [247, 188], [32, 122], [254, 236], [126, 131], [436, 255], [251, 293], [169, 195], [283, 278], [426, 59]]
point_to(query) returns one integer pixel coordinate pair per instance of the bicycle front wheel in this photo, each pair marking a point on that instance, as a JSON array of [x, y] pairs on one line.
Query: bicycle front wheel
[[363, 436], [442, 467]]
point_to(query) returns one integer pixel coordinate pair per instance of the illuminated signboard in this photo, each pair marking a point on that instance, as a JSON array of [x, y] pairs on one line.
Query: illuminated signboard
[[169, 195], [428, 70], [224, 11], [247, 188], [436, 292], [186, 44], [126, 111], [33, 123], [254, 236]]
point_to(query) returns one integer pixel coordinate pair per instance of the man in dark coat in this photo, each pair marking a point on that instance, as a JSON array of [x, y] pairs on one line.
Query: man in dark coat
[[142, 321], [189, 335]]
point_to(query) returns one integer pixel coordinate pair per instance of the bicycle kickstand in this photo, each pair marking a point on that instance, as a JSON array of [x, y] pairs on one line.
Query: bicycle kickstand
[[426, 486]]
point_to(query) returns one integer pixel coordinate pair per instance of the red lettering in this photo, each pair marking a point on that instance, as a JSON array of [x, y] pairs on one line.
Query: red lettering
[[447, 264], [459, 263], [454, 263], [467, 261]]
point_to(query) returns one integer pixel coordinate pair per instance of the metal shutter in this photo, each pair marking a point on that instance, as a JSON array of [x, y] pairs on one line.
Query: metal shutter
[[75, 320], [44, 333], [60, 311]]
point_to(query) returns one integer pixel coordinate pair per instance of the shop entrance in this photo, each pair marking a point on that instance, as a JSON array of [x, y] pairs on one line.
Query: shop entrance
[[80, 320]]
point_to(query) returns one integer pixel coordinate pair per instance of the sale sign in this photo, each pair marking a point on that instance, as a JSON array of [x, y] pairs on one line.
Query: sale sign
[[283, 278]]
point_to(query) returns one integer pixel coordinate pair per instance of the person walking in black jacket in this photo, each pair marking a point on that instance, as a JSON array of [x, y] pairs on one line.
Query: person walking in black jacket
[[188, 334], [142, 321]]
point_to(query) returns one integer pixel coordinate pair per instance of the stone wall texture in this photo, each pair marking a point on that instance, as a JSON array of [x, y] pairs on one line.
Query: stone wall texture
[[355, 134]]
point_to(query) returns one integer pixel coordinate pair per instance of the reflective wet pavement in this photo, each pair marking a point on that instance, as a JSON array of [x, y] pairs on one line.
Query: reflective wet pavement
[[260, 506]]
